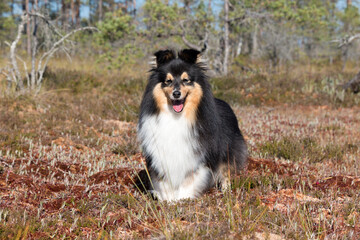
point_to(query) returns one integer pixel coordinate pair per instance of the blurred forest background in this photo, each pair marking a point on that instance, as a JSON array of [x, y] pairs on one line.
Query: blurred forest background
[[258, 35]]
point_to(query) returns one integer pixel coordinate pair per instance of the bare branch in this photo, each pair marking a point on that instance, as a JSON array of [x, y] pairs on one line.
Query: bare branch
[[345, 41], [17, 78], [47, 55], [13, 73], [52, 27], [189, 44], [41, 71], [5, 71], [66, 51], [25, 69], [33, 54], [24, 63]]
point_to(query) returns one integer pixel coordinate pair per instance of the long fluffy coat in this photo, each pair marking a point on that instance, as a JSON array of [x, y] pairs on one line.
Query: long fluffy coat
[[188, 137]]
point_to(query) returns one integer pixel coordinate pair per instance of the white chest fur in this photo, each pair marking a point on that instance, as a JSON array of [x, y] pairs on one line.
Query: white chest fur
[[169, 139]]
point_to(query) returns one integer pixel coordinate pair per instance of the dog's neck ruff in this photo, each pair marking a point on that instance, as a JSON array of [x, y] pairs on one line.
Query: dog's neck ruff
[[170, 140]]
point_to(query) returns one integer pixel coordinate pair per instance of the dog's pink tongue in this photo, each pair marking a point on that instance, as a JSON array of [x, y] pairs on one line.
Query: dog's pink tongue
[[178, 108]]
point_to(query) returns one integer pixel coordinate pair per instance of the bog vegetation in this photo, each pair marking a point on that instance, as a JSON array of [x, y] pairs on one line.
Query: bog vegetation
[[68, 147]]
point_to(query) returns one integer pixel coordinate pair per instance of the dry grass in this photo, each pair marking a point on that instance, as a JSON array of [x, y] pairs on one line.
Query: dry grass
[[69, 155]]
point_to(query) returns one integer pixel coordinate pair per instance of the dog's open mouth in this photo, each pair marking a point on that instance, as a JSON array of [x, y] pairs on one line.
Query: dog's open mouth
[[178, 105]]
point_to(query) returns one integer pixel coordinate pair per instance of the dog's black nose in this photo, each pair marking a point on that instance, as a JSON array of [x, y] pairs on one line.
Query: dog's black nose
[[176, 94]]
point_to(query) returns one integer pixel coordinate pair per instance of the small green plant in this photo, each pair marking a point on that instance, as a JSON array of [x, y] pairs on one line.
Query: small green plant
[[333, 151], [286, 148], [307, 148]]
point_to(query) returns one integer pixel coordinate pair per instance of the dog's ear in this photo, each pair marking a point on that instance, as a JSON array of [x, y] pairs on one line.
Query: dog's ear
[[164, 56], [189, 55]]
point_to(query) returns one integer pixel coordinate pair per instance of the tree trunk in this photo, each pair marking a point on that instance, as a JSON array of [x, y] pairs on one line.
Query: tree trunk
[[77, 12], [46, 5], [126, 6], [33, 56], [255, 45], [347, 24], [73, 13], [34, 47], [17, 78], [64, 13], [226, 37], [239, 47], [28, 33], [12, 8], [134, 6], [187, 6], [345, 54], [100, 10]]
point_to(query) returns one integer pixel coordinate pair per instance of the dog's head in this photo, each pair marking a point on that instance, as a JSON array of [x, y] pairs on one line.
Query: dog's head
[[179, 80]]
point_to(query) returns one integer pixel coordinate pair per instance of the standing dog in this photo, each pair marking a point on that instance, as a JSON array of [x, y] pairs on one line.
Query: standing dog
[[188, 137]]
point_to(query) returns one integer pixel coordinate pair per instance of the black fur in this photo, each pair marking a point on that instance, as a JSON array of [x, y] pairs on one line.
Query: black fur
[[164, 56], [189, 55], [216, 124]]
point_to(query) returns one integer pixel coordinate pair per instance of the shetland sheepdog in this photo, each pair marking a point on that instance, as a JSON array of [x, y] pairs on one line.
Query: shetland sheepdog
[[190, 139]]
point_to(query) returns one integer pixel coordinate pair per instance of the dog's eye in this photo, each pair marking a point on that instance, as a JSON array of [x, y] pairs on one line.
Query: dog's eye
[[186, 80], [168, 81]]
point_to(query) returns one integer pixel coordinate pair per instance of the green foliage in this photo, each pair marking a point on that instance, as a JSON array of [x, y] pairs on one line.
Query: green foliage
[[350, 19], [161, 18], [309, 19], [200, 23], [6, 22], [126, 54], [75, 81], [115, 27], [285, 148], [282, 9], [115, 31]]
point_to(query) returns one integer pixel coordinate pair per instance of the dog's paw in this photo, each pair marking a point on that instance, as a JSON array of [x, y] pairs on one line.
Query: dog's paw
[[225, 184], [156, 195]]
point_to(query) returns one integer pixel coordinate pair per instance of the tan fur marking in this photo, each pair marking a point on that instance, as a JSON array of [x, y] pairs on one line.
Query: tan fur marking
[[184, 75], [160, 97], [169, 77], [184, 91], [192, 102], [168, 91]]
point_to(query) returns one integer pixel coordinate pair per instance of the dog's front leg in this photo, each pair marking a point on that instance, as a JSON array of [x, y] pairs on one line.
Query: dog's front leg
[[196, 183]]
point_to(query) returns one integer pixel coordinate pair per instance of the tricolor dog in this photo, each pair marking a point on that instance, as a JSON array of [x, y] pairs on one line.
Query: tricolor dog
[[189, 138]]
